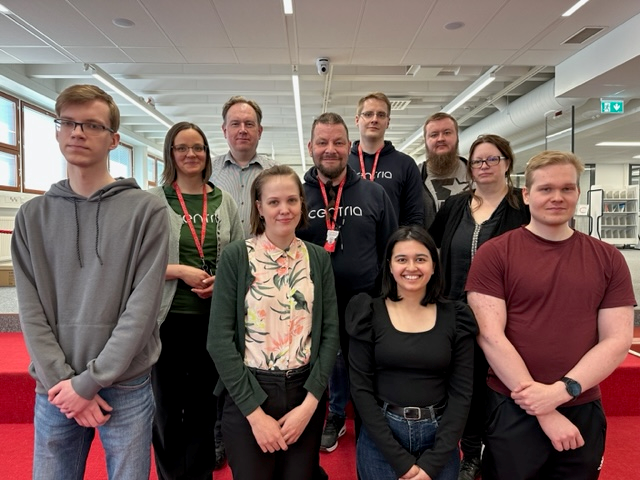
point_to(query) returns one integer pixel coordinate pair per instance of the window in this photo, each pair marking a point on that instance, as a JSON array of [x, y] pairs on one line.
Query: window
[[155, 166], [43, 164], [8, 142], [121, 161], [634, 174]]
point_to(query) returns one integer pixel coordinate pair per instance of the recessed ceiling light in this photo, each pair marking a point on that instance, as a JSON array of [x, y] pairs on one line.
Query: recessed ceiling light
[[618, 144], [454, 25], [123, 23]]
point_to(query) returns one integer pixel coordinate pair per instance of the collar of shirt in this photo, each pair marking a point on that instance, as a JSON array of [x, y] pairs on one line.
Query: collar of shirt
[[259, 159], [275, 252]]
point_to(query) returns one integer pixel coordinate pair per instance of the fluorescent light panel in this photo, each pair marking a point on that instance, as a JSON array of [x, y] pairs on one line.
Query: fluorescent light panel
[[296, 101], [288, 7], [123, 91], [573, 9], [557, 134], [618, 144], [452, 107], [4, 9]]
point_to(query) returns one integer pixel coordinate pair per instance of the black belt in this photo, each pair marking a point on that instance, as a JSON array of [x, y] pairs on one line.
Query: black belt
[[294, 372], [415, 413]]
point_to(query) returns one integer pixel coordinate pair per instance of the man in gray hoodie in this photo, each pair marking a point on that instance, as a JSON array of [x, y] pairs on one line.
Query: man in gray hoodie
[[89, 258]]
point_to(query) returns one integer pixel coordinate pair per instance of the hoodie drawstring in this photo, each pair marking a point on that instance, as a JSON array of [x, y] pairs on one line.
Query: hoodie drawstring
[[75, 207], [98, 227]]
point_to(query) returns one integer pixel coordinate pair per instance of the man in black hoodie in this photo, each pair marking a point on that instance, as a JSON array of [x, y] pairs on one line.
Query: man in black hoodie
[[353, 219], [376, 159]]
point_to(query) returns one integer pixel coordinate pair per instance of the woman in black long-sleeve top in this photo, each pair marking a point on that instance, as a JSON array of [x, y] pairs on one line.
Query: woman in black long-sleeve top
[[490, 208], [411, 367]]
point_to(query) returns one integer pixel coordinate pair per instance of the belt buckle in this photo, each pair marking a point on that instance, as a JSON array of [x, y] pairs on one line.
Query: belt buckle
[[412, 413]]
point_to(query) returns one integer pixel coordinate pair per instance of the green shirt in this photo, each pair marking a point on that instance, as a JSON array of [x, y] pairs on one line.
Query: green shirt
[[185, 301]]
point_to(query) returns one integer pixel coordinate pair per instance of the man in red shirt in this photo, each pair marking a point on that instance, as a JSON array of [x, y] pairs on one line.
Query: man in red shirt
[[555, 311]]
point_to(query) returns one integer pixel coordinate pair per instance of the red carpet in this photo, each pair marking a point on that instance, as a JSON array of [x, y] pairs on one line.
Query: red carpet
[[620, 396]]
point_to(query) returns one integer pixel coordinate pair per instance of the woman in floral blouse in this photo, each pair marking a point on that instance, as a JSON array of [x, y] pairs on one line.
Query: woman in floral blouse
[[273, 334]]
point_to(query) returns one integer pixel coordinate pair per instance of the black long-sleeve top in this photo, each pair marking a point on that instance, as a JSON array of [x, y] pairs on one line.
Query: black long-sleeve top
[[451, 214], [411, 369]]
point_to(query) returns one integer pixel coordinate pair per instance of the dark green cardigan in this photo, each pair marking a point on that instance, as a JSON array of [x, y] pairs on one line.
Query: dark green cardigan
[[226, 337]]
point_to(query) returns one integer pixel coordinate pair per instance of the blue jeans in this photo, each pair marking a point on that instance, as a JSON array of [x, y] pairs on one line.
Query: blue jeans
[[61, 445], [339, 387], [415, 436]]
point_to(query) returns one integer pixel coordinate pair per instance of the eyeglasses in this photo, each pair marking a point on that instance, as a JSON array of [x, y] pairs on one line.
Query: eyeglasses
[[490, 161], [68, 126], [197, 148], [370, 115]]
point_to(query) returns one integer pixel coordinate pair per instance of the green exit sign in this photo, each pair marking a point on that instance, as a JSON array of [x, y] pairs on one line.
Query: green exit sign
[[611, 106]]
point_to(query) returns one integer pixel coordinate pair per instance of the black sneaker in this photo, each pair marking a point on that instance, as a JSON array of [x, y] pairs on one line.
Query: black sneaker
[[334, 428], [469, 468]]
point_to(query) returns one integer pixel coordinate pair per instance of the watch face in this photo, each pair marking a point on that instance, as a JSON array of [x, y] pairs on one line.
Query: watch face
[[573, 387]]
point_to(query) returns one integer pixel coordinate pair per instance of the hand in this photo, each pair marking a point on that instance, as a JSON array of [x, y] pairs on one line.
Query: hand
[[563, 434], [415, 473], [266, 431], [294, 422], [196, 278], [93, 415], [63, 396], [538, 398], [205, 292]]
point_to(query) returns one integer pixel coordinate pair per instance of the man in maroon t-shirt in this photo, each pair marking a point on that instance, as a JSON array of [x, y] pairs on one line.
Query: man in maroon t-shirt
[[555, 311]]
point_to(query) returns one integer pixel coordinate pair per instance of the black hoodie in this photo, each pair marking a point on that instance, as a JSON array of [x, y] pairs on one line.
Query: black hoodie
[[399, 175], [366, 221]]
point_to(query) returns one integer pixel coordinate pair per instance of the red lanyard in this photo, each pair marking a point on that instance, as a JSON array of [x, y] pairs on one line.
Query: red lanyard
[[331, 223], [375, 163], [187, 217]]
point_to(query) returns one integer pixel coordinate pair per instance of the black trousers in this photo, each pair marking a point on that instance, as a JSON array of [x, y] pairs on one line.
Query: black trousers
[[471, 443], [183, 381], [247, 460], [516, 448]]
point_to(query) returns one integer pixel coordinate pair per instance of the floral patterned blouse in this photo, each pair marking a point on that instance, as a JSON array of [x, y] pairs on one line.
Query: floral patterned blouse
[[279, 305]]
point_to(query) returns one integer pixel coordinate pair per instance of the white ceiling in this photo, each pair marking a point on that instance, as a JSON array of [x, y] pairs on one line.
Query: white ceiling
[[190, 56]]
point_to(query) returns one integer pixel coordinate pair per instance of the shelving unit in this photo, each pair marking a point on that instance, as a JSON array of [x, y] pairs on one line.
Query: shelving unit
[[618, 224]]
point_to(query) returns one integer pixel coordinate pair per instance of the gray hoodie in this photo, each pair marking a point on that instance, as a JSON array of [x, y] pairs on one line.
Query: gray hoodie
[[89, 276]]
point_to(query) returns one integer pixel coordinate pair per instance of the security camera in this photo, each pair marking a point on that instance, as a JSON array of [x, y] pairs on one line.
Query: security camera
[[323, 65]]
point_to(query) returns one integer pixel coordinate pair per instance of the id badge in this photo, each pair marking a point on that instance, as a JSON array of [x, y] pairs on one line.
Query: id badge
[[330, 247], [332, 236]]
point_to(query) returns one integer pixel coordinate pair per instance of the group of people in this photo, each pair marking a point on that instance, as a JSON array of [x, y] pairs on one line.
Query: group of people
[[456, 311]]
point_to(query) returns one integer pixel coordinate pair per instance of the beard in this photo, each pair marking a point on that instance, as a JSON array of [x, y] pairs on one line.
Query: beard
[[443, 165], [331, 172]]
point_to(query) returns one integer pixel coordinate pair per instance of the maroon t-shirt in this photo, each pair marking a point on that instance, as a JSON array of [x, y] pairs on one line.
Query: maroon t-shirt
[[553, 292]]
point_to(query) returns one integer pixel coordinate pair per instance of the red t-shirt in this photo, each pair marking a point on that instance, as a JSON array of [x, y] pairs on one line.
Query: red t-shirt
[[553, 292]]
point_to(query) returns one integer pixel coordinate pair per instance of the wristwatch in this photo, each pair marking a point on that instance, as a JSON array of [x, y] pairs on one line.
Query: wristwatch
[[573, 388]]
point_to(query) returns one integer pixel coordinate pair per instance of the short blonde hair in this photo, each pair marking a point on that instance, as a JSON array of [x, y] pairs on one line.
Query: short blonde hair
[[374, 96], [551, 157]]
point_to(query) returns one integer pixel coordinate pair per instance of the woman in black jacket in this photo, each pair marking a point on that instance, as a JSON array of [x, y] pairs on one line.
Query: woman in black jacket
[[491, 207]]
